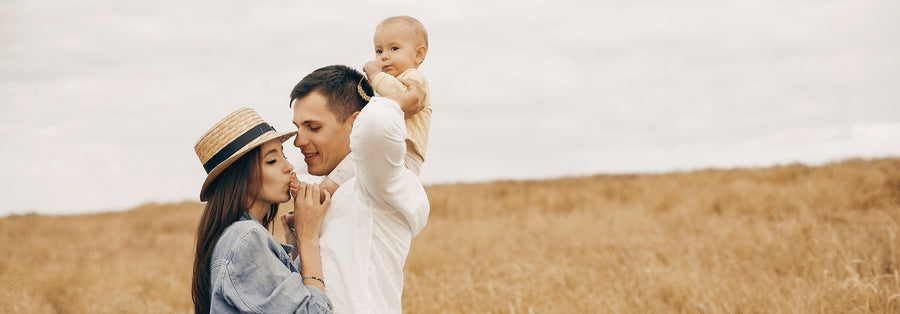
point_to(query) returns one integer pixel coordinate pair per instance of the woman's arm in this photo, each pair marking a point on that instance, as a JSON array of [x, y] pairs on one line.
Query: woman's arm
[[256, 280], [309, 214]]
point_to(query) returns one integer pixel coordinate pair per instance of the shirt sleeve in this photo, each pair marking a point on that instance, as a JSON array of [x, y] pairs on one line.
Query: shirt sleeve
[[343, 172], [259, 282], [378, 147]]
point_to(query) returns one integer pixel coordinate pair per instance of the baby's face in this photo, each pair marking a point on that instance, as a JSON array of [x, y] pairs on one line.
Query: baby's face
[[395, 46]]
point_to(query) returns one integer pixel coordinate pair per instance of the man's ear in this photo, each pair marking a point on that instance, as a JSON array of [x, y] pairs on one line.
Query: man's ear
[[421, 50], [351, 119]]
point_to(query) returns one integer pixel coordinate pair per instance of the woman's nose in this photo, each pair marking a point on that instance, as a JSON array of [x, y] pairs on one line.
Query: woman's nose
[[289, 168]]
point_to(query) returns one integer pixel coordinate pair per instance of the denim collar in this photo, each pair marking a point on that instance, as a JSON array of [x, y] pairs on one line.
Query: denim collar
[[246, 216]]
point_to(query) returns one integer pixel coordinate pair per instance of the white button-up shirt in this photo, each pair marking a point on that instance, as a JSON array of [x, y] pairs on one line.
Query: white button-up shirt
[[373, 217]]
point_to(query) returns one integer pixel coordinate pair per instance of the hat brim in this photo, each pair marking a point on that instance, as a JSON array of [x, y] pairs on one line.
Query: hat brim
[[265, 137]]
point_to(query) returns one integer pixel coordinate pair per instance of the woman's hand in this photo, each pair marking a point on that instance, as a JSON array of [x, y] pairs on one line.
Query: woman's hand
[[303, 225], [309, 213], [287, 224], [328, 185], [287, 219]]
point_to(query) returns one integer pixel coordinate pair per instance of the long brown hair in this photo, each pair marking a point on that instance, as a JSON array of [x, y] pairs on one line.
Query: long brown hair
[[229, 194]]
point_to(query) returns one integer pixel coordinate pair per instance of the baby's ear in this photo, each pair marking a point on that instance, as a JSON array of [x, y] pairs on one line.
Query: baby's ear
[[421, 50]]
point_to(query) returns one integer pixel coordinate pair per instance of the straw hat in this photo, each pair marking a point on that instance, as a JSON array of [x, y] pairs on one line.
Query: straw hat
[[231, 138]]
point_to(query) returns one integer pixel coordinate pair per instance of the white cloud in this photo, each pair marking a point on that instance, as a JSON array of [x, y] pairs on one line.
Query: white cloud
[[107, 98]]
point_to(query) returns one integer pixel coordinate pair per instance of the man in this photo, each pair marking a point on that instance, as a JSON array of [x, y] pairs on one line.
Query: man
[[373, 217]]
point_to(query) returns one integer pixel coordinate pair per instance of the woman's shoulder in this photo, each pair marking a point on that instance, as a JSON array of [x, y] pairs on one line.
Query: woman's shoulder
[[240, 235], [242, 229]]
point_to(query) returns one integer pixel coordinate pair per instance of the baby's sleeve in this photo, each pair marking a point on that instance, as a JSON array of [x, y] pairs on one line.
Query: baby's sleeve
[[388, 85]]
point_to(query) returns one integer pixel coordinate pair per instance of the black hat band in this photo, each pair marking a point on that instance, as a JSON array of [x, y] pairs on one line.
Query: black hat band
[[236, 145]]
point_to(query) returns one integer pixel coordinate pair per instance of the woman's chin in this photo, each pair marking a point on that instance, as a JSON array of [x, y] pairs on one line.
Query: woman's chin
[[281, 199], [287, 197]]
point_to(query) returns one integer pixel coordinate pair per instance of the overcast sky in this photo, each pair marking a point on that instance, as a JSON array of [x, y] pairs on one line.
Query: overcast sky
[[101, 101]]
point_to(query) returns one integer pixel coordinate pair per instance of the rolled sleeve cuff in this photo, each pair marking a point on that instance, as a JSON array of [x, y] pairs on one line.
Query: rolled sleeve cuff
[[344, 171], [319, 299]]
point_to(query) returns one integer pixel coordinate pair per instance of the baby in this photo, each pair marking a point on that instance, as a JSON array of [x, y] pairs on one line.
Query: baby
[[401, 43]]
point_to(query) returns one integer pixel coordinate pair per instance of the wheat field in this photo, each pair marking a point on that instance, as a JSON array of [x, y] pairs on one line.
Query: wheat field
[[785, 239]]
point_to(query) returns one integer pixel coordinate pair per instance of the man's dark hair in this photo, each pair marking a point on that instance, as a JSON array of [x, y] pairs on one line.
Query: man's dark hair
[[338, 83]]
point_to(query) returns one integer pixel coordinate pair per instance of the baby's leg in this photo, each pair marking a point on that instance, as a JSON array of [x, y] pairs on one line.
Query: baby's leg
[[413, 161]]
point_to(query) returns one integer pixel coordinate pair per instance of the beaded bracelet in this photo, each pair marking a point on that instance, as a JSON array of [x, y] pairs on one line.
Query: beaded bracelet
[[314, 278]]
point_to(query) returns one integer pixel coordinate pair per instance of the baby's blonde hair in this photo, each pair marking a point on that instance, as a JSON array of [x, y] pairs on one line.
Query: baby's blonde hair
[[418, 28]]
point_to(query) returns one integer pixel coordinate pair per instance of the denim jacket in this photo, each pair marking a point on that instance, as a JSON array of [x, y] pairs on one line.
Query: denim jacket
[[250, 272]]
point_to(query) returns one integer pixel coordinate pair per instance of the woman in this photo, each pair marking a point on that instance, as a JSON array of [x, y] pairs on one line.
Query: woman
[[239, 266]]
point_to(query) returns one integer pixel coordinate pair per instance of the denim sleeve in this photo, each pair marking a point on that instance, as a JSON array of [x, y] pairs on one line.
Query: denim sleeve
[[258, 282]]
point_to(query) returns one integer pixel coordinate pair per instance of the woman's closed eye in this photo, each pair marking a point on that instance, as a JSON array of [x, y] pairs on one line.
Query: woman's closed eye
[[272, 162]]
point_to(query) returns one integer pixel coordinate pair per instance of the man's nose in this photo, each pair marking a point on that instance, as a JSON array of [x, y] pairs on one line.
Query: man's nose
[[301, 139]]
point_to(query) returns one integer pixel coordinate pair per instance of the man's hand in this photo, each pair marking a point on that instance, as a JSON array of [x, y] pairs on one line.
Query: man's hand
[[372, 68], [412, 101]]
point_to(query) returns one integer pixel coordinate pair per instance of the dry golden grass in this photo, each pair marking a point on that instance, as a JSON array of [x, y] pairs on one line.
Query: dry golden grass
[[783, 239]]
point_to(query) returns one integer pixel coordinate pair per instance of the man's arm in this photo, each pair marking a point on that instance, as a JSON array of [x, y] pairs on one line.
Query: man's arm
[[378, 147], [340, 175], [412, 99], [377, 143]]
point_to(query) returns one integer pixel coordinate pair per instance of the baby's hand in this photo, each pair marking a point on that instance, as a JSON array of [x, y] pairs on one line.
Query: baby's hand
[[294, 186], [372, 68]]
